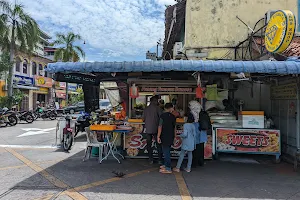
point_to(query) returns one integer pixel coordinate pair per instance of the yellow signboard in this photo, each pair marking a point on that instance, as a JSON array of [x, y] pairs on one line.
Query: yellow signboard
[[288, 91], [280, 31]]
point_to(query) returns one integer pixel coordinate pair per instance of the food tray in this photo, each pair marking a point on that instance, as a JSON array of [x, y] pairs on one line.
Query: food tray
[[103, 127]]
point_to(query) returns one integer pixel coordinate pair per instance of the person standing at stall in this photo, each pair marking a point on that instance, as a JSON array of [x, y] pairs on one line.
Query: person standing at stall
[[151, 117], [166, 135], [188, 143], [202, 127]]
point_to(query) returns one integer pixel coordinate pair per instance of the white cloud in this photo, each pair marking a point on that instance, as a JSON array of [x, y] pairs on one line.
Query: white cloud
[[115, 27]]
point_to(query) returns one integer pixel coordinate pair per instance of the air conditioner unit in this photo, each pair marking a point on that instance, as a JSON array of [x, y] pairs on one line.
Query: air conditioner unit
[[268, 15], [4, 88], [177, 48]]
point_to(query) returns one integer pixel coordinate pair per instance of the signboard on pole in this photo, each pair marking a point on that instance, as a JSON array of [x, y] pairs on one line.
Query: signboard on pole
[[280, 31]]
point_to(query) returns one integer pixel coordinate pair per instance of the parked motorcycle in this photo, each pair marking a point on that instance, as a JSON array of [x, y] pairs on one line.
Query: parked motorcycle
[[25, 116], [8, 117], [68, 136], [82, 122], [44, 114]]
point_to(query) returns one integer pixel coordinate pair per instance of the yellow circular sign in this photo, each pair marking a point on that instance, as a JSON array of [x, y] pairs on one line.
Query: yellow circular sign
[[280, 31], [41, 81]]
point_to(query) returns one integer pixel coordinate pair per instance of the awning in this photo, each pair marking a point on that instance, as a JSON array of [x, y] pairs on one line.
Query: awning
[[269, 67], [25, 87]]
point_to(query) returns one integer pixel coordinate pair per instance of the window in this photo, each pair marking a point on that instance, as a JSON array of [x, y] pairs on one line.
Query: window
[[18, 64], [25, 66], [40, 70], [33, 68]]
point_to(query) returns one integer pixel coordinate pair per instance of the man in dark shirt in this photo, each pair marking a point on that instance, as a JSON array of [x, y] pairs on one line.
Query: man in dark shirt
[[166, 135], [151, 118]]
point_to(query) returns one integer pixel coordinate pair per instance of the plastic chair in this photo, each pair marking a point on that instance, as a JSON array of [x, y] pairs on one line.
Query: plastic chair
[[93, 142]]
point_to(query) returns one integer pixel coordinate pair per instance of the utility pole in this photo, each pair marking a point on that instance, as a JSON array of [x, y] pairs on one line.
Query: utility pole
[[158, 44]]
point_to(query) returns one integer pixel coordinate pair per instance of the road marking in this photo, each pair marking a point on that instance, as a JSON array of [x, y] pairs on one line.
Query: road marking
[[35, 131], [38, 163], [28, 146], [110, 180], [184, 191], [52, 179], [47, 197]]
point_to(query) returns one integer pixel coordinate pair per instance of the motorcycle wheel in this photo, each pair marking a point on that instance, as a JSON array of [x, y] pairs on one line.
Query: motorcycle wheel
[[12, 120], [29, 118], [68, 141], [35, 116], [52, 116]]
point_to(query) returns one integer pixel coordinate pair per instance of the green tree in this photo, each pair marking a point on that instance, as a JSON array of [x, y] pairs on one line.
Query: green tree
[[16, 99], [5, 63], [68, 51], [77, 97], [18, 32]]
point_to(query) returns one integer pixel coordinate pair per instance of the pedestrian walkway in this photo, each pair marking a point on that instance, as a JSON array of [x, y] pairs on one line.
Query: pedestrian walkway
[[53, 174]]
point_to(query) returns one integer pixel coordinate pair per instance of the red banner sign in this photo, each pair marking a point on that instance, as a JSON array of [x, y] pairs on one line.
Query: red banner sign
[[136, 143], [248, 140]]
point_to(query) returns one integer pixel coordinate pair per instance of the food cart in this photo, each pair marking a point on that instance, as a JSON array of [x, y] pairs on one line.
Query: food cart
[[176, 78]]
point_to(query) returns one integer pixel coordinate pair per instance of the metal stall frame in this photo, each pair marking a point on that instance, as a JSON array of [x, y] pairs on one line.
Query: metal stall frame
[[157, 84]]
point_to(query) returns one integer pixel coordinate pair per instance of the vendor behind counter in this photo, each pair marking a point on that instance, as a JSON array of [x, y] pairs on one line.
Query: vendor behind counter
[[138, 110]]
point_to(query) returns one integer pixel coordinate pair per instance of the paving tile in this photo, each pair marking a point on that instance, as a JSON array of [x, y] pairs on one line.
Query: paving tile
[[7, 160]]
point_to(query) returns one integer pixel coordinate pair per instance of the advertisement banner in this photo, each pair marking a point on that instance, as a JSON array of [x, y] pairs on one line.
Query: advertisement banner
[[60, 85], [166, 89], [22, 80], [72, 87], [61, 94], [42, 91], [136, 143], [248, 140], [43, 81]]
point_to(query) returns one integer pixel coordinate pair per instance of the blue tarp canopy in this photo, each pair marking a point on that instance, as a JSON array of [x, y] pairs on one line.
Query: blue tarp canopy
[[268, 67]]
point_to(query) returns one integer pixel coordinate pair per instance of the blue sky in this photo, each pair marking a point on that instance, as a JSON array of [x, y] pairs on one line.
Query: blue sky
[[114, 30]]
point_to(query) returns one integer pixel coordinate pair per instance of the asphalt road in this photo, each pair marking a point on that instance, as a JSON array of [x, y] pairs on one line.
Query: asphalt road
[[41, 132]]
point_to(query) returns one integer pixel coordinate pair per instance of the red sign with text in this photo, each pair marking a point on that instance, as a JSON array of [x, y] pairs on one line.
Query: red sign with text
[[136, 143], [248, 140]]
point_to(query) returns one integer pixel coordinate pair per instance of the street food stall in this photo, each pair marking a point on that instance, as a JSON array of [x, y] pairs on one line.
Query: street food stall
[[177, 92], [171, 79]]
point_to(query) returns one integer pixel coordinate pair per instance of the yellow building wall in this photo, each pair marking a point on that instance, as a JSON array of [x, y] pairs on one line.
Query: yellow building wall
[[2, 93], [213, 23]]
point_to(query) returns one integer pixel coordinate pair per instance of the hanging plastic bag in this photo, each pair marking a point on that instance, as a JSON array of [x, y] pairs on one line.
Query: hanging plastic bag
[[134, 92], [199, 92]]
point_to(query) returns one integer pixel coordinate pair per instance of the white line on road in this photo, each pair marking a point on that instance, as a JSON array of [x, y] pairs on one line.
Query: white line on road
[[35, 131], [29, 146]]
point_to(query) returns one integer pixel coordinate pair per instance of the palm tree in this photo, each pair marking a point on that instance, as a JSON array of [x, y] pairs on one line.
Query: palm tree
[[68, 51], [18, 32]]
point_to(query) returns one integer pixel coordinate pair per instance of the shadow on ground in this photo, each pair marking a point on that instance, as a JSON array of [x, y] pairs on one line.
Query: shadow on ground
[[216, 180]]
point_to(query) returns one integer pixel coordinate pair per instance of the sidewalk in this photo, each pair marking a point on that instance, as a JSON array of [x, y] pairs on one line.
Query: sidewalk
[[52, 174]]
